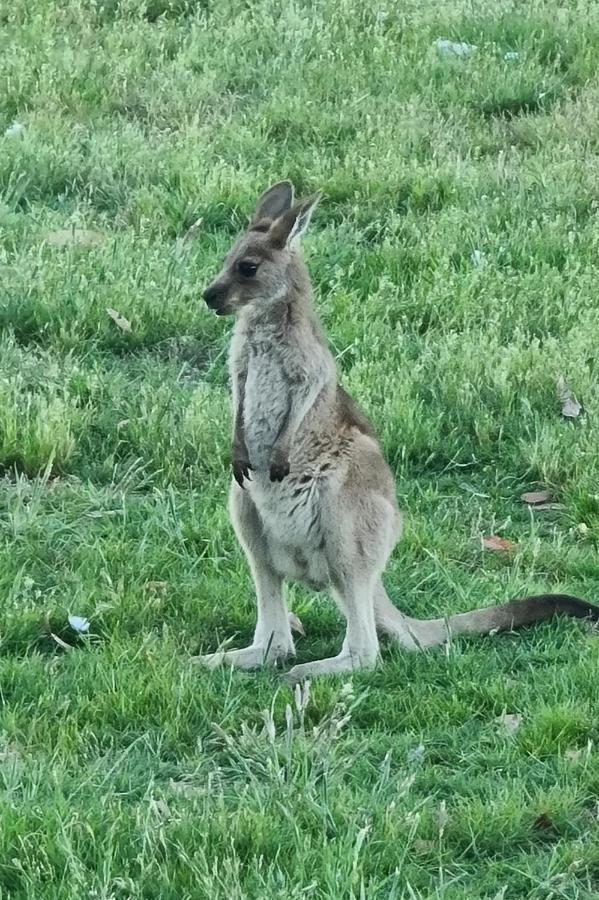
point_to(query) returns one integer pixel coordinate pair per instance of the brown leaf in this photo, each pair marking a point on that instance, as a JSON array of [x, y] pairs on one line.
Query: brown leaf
[[509, 722], [160, 808], [65, 236], [55, 638], [123, 323], [193, 230], [442, 817], [156, 585], [534, 497], [573, 755], [9, 753], [502, 545], [60, 642], [570, 405], [543, 821], [185, 788], [422, 846], [296, 624]]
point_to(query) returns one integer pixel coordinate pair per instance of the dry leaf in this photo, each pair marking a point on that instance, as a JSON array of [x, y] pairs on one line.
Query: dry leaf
[[156, 585], [123, 323], [9, 753], [543, 821], [422, 846], [185, 788], [570, 405], [55, 638], [509, 722], [160, 807], [65, 236], [416, 754], [493, 542], [296, 624], [60, 642], [14, 130], [454, 48], [193, 230], [535, 497], [442, 817]]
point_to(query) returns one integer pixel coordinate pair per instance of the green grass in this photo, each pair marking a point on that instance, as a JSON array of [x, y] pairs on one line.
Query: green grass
[[125, 772]]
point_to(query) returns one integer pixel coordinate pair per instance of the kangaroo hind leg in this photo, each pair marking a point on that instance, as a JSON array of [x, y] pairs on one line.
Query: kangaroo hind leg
[[272, 636]]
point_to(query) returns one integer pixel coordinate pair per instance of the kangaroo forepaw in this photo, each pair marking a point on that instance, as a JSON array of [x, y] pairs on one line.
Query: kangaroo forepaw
[[241, 470]]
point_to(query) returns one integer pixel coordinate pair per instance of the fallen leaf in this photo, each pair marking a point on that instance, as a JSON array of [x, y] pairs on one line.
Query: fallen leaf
[[156, 585], [509, 722], [193, 230], [543, 821], [14, 130], [60, 642], [416, 754], [123, 323], [185, 788], [573, 755], [296, 624], [57, 640], [160, 807], [535, 497], [547, 506], [454, 48], [9, 753], [422, 846], [442, 817], [79, 623], [570, 405], [64, 236], [493, 542]]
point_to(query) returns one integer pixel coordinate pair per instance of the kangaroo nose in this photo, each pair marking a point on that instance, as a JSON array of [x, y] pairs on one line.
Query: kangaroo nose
[[211, 295]]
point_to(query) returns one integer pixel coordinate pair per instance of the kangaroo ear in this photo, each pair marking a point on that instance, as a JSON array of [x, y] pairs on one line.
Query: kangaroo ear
[[274, 202], [292, 224]]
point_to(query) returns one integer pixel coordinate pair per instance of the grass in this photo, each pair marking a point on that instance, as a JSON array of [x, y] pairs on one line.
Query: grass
[[125, 772]]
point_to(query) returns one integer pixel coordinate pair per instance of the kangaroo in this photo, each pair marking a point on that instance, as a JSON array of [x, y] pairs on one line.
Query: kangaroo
[[312, 497]]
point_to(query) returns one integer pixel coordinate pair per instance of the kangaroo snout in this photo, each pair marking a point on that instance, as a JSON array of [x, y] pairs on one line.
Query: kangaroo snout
[[214, 296]]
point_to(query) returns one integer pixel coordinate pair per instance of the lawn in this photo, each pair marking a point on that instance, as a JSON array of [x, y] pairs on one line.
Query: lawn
[[455, 259]]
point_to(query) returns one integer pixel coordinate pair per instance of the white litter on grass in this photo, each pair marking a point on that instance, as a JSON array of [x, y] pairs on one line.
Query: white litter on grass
[[478, 259], [510, 55], [453, 48], [14, 130], [570, 406], [416, 754], [79, 623]]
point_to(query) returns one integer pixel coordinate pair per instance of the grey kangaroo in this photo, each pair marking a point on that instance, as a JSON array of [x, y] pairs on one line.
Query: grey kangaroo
[[312, 497]]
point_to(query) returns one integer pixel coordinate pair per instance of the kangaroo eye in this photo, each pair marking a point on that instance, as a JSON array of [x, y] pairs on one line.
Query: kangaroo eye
[[247, 269]]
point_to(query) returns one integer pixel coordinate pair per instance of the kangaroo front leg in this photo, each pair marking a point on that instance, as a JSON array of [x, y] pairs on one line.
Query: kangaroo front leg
[[272, 636], [360, 648]]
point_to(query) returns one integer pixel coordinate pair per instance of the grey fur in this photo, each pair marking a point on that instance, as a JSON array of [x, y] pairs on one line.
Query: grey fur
[[312, 497]]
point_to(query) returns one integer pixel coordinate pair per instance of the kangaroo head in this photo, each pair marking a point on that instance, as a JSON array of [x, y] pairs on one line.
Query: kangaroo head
[[256, 269]]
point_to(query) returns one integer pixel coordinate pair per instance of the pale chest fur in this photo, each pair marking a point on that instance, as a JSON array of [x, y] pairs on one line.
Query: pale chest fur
[[266, 403]]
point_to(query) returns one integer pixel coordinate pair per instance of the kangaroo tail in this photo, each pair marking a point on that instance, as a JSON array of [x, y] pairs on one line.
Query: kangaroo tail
[[422, 633]]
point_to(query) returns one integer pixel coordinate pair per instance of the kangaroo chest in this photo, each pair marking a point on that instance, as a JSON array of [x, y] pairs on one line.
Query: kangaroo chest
[[266, 404]]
